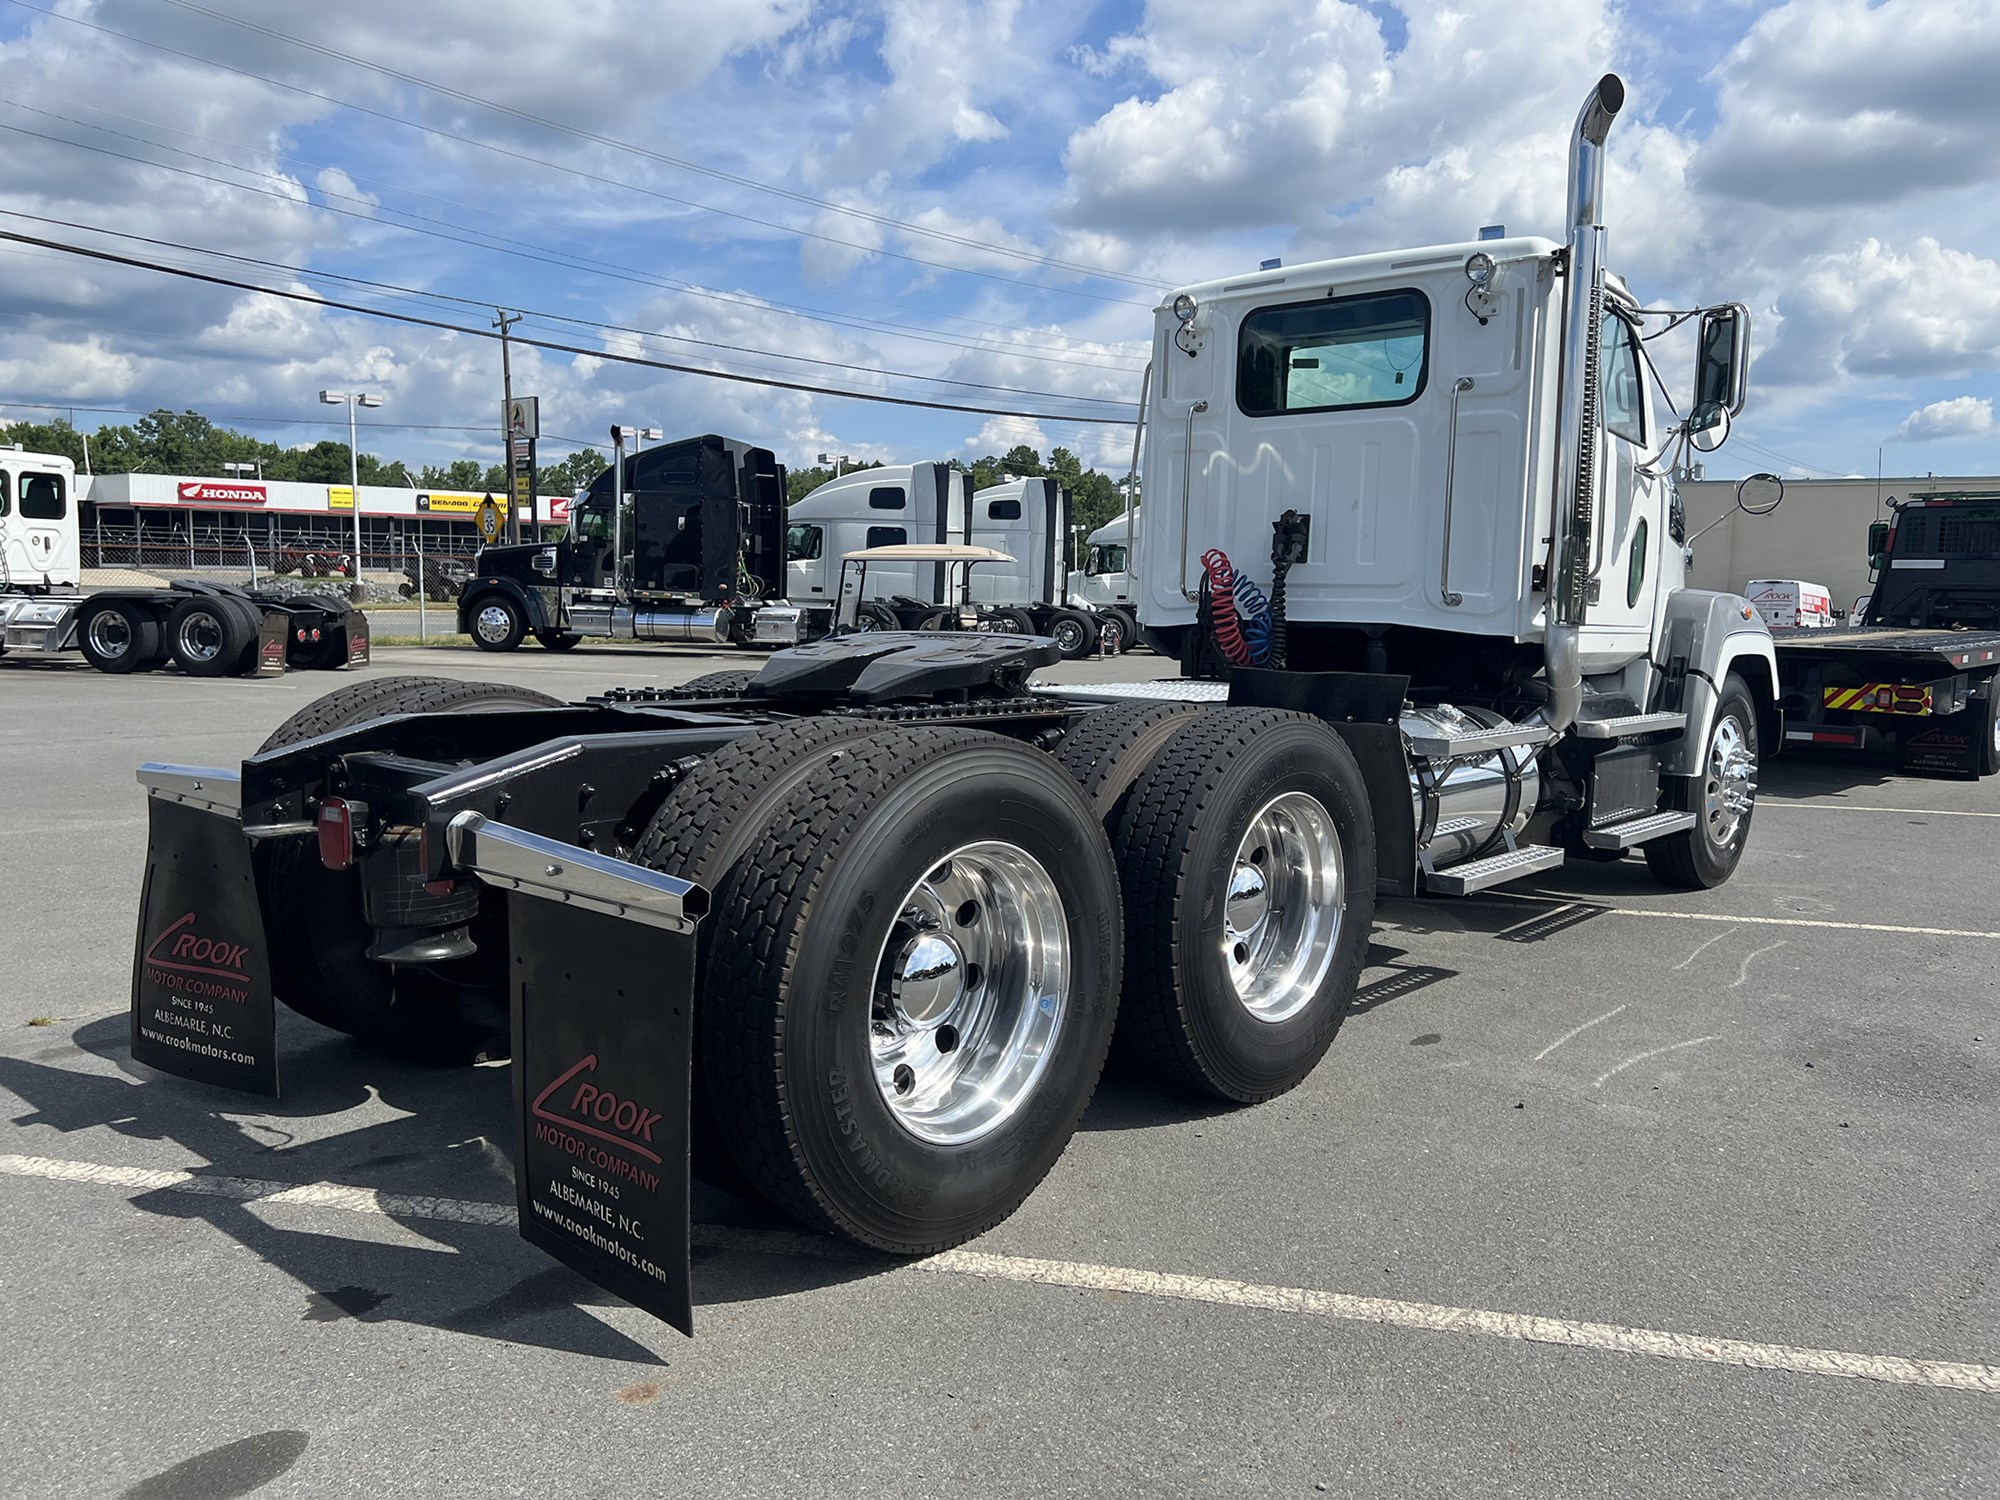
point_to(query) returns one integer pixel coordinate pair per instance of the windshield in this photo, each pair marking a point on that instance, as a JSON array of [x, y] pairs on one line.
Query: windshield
[[1105, 559]]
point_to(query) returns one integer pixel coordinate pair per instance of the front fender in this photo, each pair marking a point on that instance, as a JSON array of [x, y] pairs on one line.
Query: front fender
[[477, 590], [1708, 635]]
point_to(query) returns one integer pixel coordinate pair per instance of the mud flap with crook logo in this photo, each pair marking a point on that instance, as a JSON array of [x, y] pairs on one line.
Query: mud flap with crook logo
[[202, 1006], [602, 968]]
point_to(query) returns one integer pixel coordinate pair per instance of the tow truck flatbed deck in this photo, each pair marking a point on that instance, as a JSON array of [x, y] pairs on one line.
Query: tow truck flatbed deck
[[1957, 649]]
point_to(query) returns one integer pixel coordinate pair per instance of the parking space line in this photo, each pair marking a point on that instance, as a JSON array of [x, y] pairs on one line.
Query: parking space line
[[1917, 812], [1611, 1073], [1711, 916], [1429, 1317]]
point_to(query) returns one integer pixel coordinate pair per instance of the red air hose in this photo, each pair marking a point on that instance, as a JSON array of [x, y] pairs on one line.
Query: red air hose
[[1222, 593]]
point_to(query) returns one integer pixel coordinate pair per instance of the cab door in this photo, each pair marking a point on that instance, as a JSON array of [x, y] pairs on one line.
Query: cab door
[[1630, 537], [41, 531]]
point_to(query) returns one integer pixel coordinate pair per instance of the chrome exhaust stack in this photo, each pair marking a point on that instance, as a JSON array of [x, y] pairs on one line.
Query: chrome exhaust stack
[[1577, 420]]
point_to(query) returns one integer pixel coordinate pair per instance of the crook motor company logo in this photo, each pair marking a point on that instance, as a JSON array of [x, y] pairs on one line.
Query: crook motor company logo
[[217, 492], [610, 1132], [186, 961]]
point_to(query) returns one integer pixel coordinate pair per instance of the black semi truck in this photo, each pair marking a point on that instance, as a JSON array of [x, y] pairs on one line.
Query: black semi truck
[[679, 543], [1919, 678]]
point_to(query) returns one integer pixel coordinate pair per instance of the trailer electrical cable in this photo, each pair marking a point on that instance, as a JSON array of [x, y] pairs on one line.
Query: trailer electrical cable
[[556, 348]]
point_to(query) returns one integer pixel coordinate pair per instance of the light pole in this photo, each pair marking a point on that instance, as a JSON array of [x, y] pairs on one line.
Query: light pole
[[836, 460], [350, 401], [240, 469]]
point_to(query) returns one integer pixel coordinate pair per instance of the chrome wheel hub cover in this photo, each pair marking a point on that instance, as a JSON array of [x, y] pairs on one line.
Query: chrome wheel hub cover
[[972, 986], [493, 623], [1729, 789], [1283, 907]]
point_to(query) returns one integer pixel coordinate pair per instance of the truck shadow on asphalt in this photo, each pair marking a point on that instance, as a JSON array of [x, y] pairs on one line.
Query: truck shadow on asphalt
[[450, 1137]]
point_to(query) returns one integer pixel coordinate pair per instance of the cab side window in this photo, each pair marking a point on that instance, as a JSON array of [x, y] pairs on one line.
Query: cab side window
[[1624, 390], [804, 543], [42, 497]]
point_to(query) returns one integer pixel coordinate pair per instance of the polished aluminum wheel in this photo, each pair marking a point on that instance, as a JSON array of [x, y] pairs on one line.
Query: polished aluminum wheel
[[971, 988], [1729, 786], [1283, 908], [110, 634], [199, 639], [1110, 635], [494, 623]]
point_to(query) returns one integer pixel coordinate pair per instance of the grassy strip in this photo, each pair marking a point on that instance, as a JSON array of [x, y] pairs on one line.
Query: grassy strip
[[412, 640]]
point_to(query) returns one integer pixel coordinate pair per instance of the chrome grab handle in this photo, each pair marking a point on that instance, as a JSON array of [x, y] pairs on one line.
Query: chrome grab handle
[[1187, 475], [1459, 386]]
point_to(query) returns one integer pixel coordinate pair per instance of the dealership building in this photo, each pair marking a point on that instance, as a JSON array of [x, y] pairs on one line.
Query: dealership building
[[151, 518]]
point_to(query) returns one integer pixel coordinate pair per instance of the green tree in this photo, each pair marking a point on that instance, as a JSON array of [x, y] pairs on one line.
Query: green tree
[[1022, 462]]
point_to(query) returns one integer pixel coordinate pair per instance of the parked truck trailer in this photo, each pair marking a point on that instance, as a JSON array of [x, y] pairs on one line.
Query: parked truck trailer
[[205, 629], [853, 933]]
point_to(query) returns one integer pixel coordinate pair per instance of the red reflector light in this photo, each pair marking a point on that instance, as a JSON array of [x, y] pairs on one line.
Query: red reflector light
[[300, 634], [336, 834], [315, 634]]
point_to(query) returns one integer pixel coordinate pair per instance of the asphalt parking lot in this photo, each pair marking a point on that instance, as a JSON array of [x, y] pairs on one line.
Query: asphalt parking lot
[[1603, 1190]]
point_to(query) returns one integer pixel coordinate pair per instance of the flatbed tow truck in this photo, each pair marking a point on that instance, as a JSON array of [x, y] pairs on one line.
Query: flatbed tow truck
[[853, 933], [1919, 678]]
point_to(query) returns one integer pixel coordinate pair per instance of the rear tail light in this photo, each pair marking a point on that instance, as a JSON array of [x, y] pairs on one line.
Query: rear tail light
[[1884, 696], [336, 834]]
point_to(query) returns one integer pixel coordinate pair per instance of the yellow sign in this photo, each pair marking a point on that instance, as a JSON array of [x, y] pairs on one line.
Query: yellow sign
[[339, 497], [524, 487], [489, 521], [456, 503]]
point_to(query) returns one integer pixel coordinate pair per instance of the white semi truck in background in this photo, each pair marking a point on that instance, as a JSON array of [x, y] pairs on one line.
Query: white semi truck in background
[[204, 629], [1102, 583]]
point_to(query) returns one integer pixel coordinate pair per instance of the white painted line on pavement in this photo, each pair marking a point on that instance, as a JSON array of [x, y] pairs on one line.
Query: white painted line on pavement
[[1570, 1036], [1915, 812], [1711, 916], [1610, 1338]]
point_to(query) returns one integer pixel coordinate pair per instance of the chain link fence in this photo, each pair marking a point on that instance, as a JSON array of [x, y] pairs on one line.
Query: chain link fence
[[399, 570]]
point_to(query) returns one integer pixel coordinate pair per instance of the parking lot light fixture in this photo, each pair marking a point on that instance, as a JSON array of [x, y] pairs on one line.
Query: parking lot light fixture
[[350, 401]]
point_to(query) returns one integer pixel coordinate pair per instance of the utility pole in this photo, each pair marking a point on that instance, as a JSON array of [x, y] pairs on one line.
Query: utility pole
[[505, 321]]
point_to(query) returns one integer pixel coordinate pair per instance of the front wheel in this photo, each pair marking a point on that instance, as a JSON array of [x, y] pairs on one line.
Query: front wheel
[[1989, 755], [1722, 796], [497, 624]]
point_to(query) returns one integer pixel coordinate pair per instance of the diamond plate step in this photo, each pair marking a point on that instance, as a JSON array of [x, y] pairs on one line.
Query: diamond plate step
[[1630, 724], [1639, 830], [1478, 874], [1479, 742]]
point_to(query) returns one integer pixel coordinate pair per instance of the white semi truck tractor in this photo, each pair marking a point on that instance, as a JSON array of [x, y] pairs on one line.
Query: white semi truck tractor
[[1443, 472], [1102, 585], [855, 932]]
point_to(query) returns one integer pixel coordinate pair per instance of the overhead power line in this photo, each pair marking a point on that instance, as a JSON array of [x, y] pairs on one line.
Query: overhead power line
[[610, 356], [505, 246], [485, 428], [483, 305], [522, 156]]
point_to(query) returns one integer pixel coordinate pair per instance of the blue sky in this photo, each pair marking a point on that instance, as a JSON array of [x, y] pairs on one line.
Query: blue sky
[[1027, 178]]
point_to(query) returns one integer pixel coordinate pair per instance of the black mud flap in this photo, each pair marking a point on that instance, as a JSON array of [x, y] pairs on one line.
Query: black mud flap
[[603, 961], [356, 629], [202, 1006], [1948, 745]]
